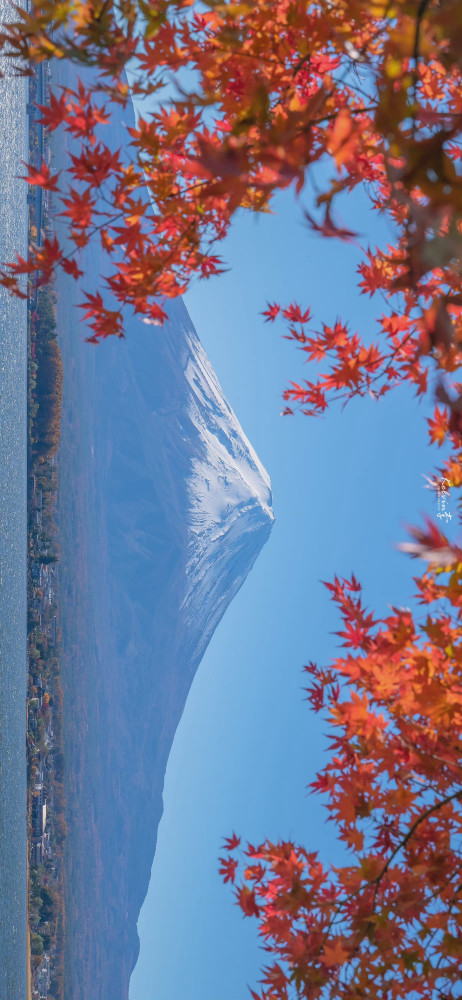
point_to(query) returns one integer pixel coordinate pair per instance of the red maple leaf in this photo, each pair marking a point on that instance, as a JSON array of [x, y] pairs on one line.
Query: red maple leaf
[[271, 312], [41, 176], [232, 842]]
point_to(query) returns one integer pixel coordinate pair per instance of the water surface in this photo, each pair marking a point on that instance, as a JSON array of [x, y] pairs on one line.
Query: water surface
[[13, 542]]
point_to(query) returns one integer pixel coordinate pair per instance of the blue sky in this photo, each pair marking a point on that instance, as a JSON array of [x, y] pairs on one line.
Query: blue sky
[[343, 488]]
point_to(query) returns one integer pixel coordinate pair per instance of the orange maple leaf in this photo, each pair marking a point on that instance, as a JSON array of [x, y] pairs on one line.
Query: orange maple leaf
[[335, 953]]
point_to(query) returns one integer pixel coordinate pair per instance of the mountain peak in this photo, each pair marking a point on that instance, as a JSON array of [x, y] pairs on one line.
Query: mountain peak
[[229, 499], [240, 474]]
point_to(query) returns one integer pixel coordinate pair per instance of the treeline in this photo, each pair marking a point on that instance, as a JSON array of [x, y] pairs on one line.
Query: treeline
[[44, 908], [49, 376], [59, 797], [45, 743], [57, 979]]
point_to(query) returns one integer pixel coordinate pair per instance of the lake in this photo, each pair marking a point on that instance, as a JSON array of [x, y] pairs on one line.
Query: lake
[[13, 543]]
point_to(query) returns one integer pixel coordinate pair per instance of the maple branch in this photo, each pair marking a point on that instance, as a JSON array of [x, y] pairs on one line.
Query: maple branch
[[416, 53], [104, 7], [420, 819], [334, 114]]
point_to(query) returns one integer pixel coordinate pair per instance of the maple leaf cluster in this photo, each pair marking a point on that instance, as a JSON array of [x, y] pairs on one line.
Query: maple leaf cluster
[[370, 88], [386, 924]]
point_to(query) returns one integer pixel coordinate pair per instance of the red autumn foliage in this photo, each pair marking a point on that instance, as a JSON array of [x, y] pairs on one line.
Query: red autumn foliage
[[278, 88], [388, 922]]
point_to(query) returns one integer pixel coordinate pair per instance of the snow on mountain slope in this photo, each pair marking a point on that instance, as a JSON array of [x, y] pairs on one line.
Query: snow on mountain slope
[[227, 486], [223, 436]]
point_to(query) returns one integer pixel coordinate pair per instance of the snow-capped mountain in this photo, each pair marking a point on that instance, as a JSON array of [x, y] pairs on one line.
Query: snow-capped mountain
[[165, 507]]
